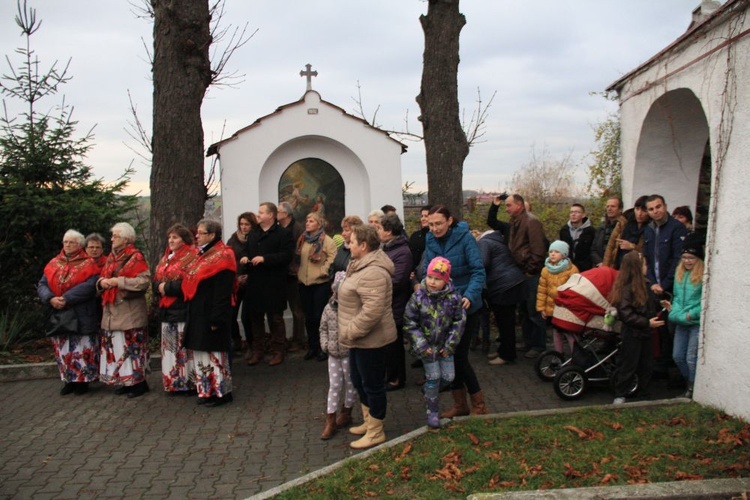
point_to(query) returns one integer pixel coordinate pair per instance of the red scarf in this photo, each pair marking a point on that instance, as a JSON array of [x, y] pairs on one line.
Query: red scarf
[[128, 263], [218, 258], [101, 261], [63, 272], [172, 267]]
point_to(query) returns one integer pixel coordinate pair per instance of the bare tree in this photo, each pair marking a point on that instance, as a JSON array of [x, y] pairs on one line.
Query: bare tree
[[545, 179], [446, 145]]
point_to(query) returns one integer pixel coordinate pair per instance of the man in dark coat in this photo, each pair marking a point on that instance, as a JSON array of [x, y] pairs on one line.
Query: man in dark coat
[[285, 218], [269, 251], [579, 234]]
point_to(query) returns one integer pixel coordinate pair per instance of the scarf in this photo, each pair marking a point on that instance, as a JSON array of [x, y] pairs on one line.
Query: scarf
[[240, 237], [561, 266], [101, 261], [214, 259], [316, 240], [63, 272], [172, 267], [128, 263]]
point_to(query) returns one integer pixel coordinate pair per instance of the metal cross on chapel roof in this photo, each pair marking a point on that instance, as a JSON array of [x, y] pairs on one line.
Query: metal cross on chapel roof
[[309, 74]]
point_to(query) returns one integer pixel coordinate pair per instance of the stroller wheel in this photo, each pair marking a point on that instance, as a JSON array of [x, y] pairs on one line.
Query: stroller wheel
[[570, 383], [548, 364]]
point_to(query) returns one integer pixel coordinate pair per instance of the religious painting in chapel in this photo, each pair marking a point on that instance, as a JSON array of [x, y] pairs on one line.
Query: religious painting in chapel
[[313, 185]]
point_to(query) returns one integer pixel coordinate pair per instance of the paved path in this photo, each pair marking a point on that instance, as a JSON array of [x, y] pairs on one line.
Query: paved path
[[99, 445]]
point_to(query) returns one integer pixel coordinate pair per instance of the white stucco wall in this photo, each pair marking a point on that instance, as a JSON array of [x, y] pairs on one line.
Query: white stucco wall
[[723, 373], [253, 160]]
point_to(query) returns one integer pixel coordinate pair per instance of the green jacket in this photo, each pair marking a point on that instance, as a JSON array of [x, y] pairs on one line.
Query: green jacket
[[687, 300]]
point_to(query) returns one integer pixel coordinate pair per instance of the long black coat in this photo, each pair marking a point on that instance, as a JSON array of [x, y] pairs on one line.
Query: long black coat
[[266, 282], [210, 307]]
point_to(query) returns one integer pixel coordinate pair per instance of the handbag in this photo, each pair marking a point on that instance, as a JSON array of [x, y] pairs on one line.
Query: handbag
[[61, 322]]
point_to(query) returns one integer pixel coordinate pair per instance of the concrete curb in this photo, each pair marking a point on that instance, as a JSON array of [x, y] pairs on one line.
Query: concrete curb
[[714, 488]]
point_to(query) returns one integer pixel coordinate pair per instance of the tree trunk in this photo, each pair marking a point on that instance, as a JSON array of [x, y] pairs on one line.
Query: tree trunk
[[181, 73], [445, 142]]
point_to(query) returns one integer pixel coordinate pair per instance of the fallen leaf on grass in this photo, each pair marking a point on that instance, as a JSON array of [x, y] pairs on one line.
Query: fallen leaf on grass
[[374, 467], [677, 421], [495, 455], [570, 472], [584, 434], [406, 474], [615, 425], [404, 452], [474, 439], [608, 478]]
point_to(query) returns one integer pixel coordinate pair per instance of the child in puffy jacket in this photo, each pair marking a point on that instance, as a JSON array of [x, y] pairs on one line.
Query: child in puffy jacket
[[339, 374], [557, 269], [434, 321], [685, 309]]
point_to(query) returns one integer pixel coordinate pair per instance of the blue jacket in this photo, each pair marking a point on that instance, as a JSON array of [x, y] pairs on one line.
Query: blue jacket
[[467, 271], [671, 235], [502, 271], [687, 299]]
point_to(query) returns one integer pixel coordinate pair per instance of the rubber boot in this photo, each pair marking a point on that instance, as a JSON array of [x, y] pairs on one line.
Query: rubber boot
[[330, 429], [372, 437], [344, 418], [460, 408], [360, 430], [433, 410], [477, 404]]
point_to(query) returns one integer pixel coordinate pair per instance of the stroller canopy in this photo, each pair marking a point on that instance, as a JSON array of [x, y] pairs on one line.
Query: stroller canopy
[[581, 301]]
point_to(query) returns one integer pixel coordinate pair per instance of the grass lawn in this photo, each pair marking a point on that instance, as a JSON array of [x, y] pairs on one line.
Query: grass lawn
[[593, 447]]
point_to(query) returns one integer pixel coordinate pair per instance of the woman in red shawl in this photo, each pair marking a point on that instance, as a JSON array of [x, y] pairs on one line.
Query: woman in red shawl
[[177, 371], [95, 249], [123, 284], [69, 281], [208, 288]]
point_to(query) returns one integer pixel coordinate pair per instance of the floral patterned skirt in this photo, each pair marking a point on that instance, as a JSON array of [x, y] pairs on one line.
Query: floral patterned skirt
[[124, 357], [77, 357], [212, 374], [177, 366]]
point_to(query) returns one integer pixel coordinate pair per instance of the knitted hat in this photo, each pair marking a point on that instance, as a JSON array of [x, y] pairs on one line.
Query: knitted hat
[[693, 244], [440, 267], [338, 239], [561, 247]]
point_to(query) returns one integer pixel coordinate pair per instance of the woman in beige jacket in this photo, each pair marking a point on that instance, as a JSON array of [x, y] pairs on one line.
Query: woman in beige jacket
[[366, 327], [123, 283], [315, 253]]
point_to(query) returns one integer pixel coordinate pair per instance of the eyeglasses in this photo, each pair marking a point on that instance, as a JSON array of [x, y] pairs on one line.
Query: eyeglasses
[[201, 233]]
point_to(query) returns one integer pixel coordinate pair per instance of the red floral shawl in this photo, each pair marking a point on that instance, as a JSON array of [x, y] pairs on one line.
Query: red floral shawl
[[218, 258], [129, 263], [172, 269], [63, 272]]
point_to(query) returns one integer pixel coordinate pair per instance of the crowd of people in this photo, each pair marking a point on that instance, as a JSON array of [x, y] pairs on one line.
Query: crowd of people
[[358, 297]]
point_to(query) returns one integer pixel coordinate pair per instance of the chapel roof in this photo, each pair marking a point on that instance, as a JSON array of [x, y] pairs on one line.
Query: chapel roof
[[693, 31], [214, 148]]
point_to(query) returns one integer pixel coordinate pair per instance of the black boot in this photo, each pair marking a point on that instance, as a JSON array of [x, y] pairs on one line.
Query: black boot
[[82, 388], [138, 389], [68, 388]]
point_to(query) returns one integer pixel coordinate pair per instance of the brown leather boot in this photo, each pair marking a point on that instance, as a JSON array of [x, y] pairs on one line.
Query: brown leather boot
[[277, 359], [477, 404], [256, 358], [344, 418], [460, 408], [330, 429]]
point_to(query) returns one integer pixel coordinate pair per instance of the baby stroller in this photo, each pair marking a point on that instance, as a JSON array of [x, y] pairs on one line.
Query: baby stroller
[[580, 307]]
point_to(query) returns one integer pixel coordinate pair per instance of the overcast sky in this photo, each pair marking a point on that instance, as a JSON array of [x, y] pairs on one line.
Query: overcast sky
[[543, 59]]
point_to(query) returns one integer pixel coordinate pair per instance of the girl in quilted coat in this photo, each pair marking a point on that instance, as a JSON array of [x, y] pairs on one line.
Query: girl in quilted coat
[[339, 373], [434, 321]]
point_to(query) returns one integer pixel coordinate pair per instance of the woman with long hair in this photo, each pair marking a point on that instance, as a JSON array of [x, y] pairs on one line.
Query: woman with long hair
[[246, 221], [636, 308]]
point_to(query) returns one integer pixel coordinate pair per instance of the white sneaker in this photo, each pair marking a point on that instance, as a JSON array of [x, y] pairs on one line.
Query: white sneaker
[[492, 355], [497, 361], [619, 401]]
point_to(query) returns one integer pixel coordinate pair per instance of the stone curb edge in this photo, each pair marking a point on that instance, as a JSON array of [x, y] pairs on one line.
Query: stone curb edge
[[675, 490]]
